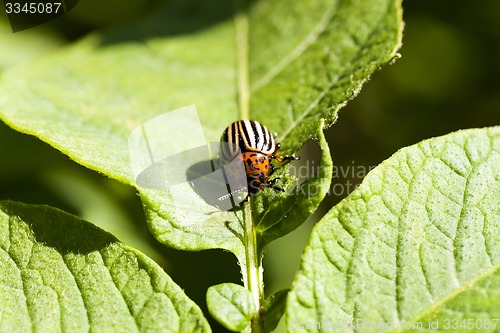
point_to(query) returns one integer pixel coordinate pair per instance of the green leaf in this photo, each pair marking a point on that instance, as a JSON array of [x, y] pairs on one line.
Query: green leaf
[[276, 215], [417, 242], [308, 58], [288, 65], [60, 273], [274, 307], [231, 304]]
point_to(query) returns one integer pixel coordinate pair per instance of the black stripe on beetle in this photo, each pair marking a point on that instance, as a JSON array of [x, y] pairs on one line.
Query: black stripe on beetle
[[257, 148]]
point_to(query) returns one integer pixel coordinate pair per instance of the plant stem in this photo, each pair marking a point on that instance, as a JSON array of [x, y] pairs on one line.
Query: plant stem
[[253, 270]]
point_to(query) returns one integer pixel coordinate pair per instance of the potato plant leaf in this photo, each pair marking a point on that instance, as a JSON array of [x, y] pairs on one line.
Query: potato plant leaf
[[286, 64], [61, 274], [274, 307], [231, 304], [415, 248], [276, 215]]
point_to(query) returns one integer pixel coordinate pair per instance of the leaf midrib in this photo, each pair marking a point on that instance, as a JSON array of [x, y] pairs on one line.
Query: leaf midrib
[[332, 83], [241, 27], [243, 69], [310, 39]]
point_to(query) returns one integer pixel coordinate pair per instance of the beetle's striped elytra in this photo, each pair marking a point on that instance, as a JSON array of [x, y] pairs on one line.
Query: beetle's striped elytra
[[257, 147]]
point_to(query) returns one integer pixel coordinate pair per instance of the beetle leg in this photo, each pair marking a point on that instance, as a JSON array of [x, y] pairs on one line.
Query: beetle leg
[[282, 159], [274, 187], [272, 181], [277, 188], [272, 170], [270, 184]]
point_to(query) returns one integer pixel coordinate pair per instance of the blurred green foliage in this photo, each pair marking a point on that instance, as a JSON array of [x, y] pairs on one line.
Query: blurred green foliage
[[446, 79]]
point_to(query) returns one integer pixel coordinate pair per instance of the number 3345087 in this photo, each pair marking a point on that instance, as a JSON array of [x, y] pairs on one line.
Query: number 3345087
[[32, 7]]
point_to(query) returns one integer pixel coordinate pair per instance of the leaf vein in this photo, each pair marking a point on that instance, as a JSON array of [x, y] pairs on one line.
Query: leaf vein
[[299, 50], [400, 242], [119, 291], [77, 284], [461, 218], [334, 80], [425, 272], [23, 287]]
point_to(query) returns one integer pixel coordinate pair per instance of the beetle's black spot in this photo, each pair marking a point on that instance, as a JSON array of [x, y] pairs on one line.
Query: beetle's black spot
[[250, 164]]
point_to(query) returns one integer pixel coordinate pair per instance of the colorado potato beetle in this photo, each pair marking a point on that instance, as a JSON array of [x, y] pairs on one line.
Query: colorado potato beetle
[[257, 147]]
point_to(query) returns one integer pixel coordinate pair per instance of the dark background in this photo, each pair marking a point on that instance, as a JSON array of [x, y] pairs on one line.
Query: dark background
[[447, 79]]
